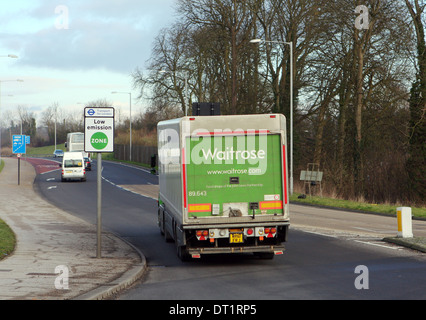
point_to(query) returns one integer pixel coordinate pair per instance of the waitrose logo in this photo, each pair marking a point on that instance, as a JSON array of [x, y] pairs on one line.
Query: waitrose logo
[[231, 154]]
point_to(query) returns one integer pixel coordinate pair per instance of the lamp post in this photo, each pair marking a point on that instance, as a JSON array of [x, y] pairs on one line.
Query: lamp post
[[291, 101], [130, 103], [18, 80]]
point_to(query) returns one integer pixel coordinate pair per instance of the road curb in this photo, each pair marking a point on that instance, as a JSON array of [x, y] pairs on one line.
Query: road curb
[[128, 278], [415, 243]]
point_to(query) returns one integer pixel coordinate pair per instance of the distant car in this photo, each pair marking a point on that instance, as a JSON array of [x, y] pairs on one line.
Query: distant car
[[87, 164], [58, 153]]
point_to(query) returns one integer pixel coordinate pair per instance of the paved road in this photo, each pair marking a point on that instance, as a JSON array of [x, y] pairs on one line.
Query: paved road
[[319, 264], [339, 222]]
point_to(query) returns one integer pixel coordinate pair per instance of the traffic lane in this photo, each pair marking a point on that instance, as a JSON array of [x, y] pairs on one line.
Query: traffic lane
[[131, 178], [312, 267], [121, 210], [123, 174]]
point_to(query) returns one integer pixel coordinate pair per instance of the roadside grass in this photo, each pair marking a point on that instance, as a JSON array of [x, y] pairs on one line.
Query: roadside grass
[[7, 240], [47, 150], [388, 209], [7, 237]]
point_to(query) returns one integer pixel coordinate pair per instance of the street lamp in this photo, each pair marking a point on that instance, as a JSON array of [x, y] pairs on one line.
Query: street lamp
[[130, 102], [291, 102], [185, 73]]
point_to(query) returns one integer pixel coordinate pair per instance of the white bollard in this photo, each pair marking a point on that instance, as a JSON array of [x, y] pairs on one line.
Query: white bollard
[[405, 228]]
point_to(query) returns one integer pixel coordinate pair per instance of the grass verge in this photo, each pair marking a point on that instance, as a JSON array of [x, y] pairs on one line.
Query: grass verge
[[7, 240], [355, 205], [7, 237], [47, 150]]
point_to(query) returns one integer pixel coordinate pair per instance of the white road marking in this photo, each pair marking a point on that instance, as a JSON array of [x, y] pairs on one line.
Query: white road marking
[[380, 245]]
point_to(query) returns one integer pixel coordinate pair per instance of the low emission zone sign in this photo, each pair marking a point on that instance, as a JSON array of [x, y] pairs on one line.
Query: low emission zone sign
[[98, 129]]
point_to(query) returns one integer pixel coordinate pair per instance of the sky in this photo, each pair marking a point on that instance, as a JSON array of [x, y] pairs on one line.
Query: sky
[[71, 52]]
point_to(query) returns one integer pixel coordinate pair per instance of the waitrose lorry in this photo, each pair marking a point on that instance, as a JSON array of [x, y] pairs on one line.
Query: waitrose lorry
[[223, 184]]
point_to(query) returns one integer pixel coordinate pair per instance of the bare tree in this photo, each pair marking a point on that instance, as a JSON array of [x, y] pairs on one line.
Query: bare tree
[[417, 132]]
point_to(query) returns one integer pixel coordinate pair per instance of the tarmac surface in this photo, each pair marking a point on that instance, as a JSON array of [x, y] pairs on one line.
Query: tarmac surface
[[55, 255]]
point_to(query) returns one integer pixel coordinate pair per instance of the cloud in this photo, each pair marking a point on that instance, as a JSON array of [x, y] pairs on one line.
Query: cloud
[[101, 34]]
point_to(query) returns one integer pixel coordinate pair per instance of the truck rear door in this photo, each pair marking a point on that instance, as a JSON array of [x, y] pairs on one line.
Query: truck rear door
[[235, 175]]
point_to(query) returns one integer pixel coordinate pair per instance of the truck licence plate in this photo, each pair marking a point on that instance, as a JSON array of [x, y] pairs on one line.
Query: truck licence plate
[[235, 237]]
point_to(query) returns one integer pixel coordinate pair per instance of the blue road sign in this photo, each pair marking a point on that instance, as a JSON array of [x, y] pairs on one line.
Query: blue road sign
[[18, 144]]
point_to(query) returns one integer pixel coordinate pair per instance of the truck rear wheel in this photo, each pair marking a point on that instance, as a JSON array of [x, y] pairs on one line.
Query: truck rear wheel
[[182, 253], [167, 236], [160, 222]]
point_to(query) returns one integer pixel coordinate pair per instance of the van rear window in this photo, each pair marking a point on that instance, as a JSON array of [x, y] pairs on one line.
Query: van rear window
[[73, 163]]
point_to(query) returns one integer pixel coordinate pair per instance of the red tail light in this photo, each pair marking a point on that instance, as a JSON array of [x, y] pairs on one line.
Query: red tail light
[[202, 234], [270, 232]]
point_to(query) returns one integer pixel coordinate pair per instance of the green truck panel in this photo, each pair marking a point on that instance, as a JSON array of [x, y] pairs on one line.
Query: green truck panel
[[234, 169]]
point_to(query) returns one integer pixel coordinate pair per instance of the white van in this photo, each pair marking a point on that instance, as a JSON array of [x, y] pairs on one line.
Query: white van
[[73, 166]]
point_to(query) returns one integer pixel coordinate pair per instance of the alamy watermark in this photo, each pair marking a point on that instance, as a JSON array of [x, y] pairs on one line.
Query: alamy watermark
[[361, 21], [61, 281], [62, 20], [361, 281], [221, 147]]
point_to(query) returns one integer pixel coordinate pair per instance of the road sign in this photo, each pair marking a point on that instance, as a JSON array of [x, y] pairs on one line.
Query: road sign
[[99, 129], [19, 143], [99, 137]]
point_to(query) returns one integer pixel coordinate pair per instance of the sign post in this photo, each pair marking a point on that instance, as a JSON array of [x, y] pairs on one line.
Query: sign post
[[19, 147], [98, 138]]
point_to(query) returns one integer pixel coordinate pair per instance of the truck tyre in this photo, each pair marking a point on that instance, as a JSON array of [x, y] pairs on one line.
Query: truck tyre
[[182, 253], [160, 222], [167, 236]]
